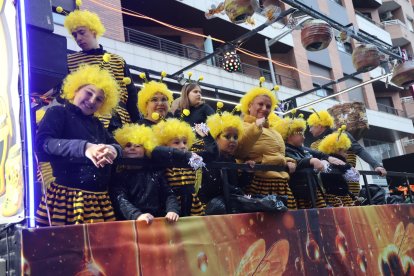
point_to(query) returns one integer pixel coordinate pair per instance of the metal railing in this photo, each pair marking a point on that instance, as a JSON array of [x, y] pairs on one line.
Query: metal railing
[[397, 22], [391, 110], [370, 19], [192, 53], [408, 99]]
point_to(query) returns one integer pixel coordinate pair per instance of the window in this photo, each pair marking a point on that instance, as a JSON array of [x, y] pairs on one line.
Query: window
[[343, 45], [321, 71], [323, 92]]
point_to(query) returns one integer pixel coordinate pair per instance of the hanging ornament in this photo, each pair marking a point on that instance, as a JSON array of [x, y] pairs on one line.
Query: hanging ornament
[[365, 58], [316, 35], [231, 60], [404, 74]]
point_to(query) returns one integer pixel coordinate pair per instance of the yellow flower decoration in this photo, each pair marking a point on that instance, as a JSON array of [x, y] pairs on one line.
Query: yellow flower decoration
[[186, 112], [200, 78], [106, 57], [276, 88], [262, 79], [163, 74], [238, 107], [220, 104], [142, 76], [78, 3], [190, 74], [59, 9], [155, 116], [343, 127]]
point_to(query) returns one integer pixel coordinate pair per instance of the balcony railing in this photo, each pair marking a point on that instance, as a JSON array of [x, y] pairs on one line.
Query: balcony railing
[[391, 110], [192, 53], [397, 22]]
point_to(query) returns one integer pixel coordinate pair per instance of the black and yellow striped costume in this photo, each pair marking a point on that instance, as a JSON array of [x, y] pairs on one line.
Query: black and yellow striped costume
[[182, 181], [272, 186], [127, 108], [73, 206], [79, 193], [303, 156], [307, 204], [265, 146], [353, 187]]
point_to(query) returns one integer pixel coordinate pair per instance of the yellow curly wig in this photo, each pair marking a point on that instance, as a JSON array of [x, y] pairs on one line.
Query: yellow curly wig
[[322, 118], [148, 90], [253, 93], [136, 134], [218, 124], [165, 131], [331, 144], [84, 18], [273, 118], [287, 126], [102, 79]]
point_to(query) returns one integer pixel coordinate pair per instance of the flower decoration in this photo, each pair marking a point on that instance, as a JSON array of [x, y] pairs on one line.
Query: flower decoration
[[126, 80]]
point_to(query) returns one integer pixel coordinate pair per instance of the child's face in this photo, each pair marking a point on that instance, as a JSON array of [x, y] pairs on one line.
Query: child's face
[[194, 96], [133, 151], [178, 143], [296, 139], [228, 141], [89, 99]]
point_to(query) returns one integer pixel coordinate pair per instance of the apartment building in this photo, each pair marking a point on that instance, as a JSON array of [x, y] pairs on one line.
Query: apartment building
[[146, 41]]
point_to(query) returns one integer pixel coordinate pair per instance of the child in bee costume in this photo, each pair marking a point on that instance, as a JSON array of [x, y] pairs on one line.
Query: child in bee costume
[[341, 178], [79, 193], [179, 135], [308, 161], [138, 192]]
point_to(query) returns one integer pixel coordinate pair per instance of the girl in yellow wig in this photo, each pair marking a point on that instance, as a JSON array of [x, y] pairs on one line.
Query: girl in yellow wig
[[184, 181], [72, 131], [141, 193], [342, 180], [264, 145]]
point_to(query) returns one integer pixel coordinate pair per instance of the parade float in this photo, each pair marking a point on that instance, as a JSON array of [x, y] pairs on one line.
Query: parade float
[[371, 240]]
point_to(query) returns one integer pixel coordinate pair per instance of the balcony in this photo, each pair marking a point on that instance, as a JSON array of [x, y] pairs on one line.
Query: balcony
[[367, 4], [401, 34], [389, 5], [177, 49], [391, 110], [373, 28], [408, 104]]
